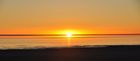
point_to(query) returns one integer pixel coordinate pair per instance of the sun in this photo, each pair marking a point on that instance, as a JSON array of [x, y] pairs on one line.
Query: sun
[[69, 34]]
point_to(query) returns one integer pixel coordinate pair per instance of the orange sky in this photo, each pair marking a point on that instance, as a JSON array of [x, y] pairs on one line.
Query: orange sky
[[55, 16]]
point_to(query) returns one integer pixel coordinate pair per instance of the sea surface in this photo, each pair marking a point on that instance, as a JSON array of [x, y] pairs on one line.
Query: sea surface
[[27, 42]]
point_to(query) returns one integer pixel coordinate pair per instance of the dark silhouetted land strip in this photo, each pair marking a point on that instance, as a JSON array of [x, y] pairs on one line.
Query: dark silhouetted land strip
[[110, 53]]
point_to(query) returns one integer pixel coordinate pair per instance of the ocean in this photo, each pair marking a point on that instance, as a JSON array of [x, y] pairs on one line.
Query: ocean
[[33, 42]]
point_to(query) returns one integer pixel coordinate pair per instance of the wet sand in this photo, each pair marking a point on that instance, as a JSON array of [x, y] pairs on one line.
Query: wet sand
[[109, 53]]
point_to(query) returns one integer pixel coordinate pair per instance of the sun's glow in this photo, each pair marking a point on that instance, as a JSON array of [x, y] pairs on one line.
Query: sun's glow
[[69, 34]]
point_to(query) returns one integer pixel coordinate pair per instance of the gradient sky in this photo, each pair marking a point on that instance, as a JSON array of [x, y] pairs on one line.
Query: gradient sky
[[52, 16]]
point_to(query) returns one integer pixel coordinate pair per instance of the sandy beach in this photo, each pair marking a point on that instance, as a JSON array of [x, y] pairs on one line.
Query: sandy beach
[[109, 53]]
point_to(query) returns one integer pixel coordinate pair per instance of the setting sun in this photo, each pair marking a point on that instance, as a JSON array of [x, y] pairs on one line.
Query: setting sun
[[69, 34]]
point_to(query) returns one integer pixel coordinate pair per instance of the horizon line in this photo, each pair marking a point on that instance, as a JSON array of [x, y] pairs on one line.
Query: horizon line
[[61, 34]]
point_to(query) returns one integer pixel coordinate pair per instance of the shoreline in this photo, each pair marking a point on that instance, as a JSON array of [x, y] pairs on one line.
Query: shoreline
[[110, 53]]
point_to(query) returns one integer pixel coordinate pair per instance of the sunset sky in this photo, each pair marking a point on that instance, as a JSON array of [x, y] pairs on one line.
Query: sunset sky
[[81, 16]]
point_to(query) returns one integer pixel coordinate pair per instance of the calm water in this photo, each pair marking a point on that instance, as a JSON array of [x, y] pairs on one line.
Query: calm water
[[20, 42]]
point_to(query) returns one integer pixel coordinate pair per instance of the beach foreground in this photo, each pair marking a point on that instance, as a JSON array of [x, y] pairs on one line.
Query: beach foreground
[[108, 53]]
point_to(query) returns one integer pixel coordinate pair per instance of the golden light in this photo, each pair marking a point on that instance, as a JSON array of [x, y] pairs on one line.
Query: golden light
[[69, 34]]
